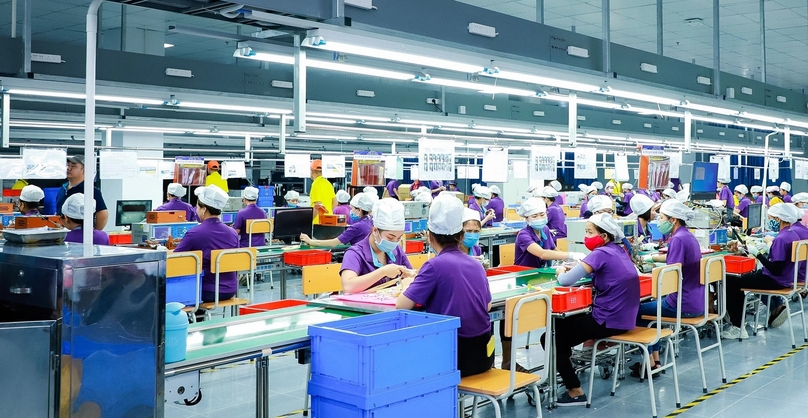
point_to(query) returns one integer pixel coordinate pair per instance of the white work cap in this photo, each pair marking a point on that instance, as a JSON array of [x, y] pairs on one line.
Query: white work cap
[[599, 202], [371, 191], [584, 188], [470, 215], [556, 185], [198, 191], [249, 193], [799, 198], [74, 206], [772, 189], [683, 196], [343, 196], [388, 215], [446, 215], [756, 189], [741, 189], [474, 186], [785, 186], [214, 197], [424, 197], [724, 180], [548, 191], [628, 186], [607, 223], [678, 210], [669, 193], [31, 193], [641, 204], [424, 189], [363, 201], [291, 195], [531, 206], [597, 185], [786, 212], [482, 192], [176, 189], [495, 190]]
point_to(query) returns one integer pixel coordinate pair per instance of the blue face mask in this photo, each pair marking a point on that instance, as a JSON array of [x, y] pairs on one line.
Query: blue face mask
[[773, 225], [354, 217], [386, 246], [291, 205], [470, 239], [538, 224]]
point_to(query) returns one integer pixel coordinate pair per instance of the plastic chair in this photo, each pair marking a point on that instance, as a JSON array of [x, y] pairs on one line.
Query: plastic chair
[[227, 261], [507, 253], [260, 226], [186, 264], [417, 260], [713, 271], [322, 278], [511, 215], [799, 253], [664, 281], [522, 314]]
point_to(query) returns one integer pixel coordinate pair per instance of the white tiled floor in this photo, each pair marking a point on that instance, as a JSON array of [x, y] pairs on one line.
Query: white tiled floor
[[774, 392]]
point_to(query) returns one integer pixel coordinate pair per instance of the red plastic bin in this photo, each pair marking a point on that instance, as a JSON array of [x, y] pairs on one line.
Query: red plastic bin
[[645, 285], [496, 271], [566, 299], [307, 258], [739, 265], [11, 192], [414, 247], [270, 306], [120, 239]]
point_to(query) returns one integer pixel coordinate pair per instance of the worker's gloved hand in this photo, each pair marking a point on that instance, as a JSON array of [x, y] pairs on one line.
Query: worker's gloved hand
[[577, 256], [752, 249], [762, 247], [649, 258], [649, 247], [161, 248]]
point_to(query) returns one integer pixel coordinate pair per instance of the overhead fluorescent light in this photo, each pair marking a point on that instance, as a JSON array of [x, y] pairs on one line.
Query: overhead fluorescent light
[[648, 68], [639, 96], [389, 140], [235, 108], [178, 72], [482, 30], [358, 69], [81, 96], [167, 45], [405, 57], [542, 81], [577, 51], [480, 87], [248, 53]]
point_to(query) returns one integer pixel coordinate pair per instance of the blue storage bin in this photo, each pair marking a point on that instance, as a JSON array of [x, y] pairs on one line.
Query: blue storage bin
[[655, 234], [383, 352], [182, 289], [719, 236], [515, 224], [266, 191], [440, 401]]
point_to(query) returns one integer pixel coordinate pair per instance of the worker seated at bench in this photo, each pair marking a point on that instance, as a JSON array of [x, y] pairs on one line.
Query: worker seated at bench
[[73, 219], [248, 197], [359, 229]]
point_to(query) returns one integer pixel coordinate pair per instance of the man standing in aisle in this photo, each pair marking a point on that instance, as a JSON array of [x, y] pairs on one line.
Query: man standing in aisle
[[496, 204], [75, 184], [323, 198], [214, 177]]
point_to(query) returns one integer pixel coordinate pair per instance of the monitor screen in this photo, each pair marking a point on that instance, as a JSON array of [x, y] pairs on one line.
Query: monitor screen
[[703, 181], [161, 232], [755, 214], [228, 217], [130, 212], [291, 222]]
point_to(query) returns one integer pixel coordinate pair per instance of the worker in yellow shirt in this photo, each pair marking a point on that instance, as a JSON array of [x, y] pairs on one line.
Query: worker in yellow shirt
[[323, 198], [214, 177]]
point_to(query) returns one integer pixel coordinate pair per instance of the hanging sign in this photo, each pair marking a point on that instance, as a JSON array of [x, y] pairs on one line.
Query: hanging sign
[[414, 172], [394, 167], [653, 150], [118, 165], [621, 166], [436, 159], [723, 165], [233, 170], [585, 164], [774, 168], [297, 165], [675, 164], [148, 168], [757, 174], [333, 166], [543, 163], [44, 163], [12, 168], [166, 169], [368, 155], [520, 169], [190, 171], [495, 165]]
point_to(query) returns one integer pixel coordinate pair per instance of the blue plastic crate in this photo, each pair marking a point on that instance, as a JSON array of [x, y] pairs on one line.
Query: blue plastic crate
[[381, 352], [439, 402], [655, 234], [719, 236], [182, 289]]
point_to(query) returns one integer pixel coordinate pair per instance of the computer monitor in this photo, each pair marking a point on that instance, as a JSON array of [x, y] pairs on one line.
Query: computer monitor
[[228, 218], [130, 212], [755, 216], [703, 181], [289, 223]]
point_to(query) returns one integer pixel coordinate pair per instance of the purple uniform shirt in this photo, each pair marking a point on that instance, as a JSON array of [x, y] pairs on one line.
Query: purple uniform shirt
[[615, 278], [655, 196], [560, 200], [626, 199], [555, 220], [743, 206], [77, 235], [359, 259], [434, 185], [781, 251], [244, 215], [786, 197], [392, 188], [726, 195], [356, 232], [584, 207], [759, 199], [646, 232], [454, 284], [177, 204], [684, 248], [211, 235], [343, 209], [524, 238], [473, 205], [498, 206], [478, 251]]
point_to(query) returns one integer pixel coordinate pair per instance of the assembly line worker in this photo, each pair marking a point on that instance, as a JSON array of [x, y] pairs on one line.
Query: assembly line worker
[[471, 232], [424, 197], [777, 272], [668, 194], [378, 258], [682, 248], [742, 193], [724, 193], [343, 207], [627, 196], [420, 190], [292, 199], [588, 192], [454, 284], [436, 187], [597, 185], [642, 206], [214, 178], [361, 205], [174, 193], [482, 195], [757, 193], [555, 184], [614, 311], [323, 198], [75, 184], [30, 200], [773, 192], [599, 204], [555, 215], [72, 218], [371, 191], [211, 234], [785, 188], [250, 212], [392, 189], [777, 315], [496, 204], [801, 200]]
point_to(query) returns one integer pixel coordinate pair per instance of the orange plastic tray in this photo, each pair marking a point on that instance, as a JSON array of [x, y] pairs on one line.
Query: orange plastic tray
[[270, 306], [566, 299], [307, 258], [645, 286], [739, 265]]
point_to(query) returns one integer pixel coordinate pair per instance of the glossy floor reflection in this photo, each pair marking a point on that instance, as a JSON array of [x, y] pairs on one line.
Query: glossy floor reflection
[[776, 391]]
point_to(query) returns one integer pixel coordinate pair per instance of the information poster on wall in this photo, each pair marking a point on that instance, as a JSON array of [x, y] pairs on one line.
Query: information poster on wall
[[394, 167], [520, 169], [167, 169], [757, 174], [621, 167], [11, 168], [586, 160], [333, 166], [723, 165], [148, 168], [675, 164], [44, 163], [297, 165], [414, 172], [118, 165], [495, 164], [190, 171], [472, 172], [799, 169], [234, 170], [436, 159], [543, 163]]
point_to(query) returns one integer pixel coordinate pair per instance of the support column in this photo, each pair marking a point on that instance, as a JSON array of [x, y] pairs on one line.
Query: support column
[[659, 28], [607, 35], [26, 36], [300, 85], [6, 119], [716, 52], [688, 130], [762, 41], [540, 11], [573, 119]]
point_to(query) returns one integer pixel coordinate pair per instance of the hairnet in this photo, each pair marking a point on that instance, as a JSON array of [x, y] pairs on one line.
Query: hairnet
[[74, 206], [176, 189], [742, 189], [628, 186], [678, 210], [470, 215], [756, 189], [548, 191], [198, 190], [291, 195], [641, 204], [772, 189], [343, 196], [724, 180], [607, 223], [556, 185], [531, 206], [31, 193], [446, 215], [424, 189], [597, 185], [799, 198], [786, 212], [425, 197], [584, 188], [669, 193], [213, 196], [599, 202], [388, 214], [482, 192], [249, 193], [495, 190], [371, 191], [363, 202], [785, 186]]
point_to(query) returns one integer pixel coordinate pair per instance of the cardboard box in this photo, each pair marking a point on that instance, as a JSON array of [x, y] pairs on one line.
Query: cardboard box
[[6, 207], [164, 217], [27, 222], [333, 220]]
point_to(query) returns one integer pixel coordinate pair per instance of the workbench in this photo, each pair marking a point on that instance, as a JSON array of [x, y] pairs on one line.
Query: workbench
[[270, 259]]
